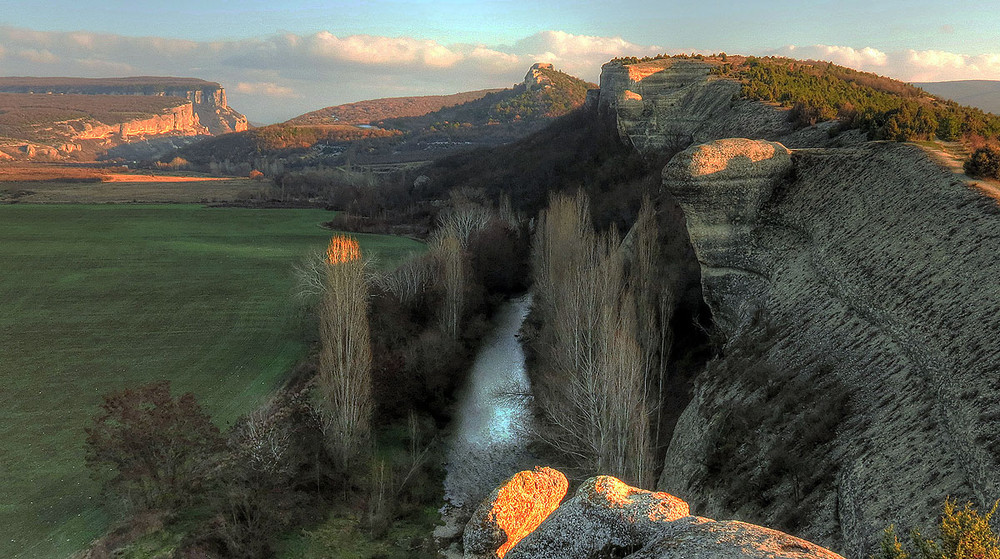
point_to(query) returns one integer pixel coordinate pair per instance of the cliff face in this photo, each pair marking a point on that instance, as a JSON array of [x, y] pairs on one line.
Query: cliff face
[[669, 104], [181, 120], [207, 99], [850, 283], [862, 277]]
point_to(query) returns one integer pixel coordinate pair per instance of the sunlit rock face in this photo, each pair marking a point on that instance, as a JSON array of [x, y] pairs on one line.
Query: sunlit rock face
[[609, 518], [864, 275], [513, 511], [669, 104], [722, 186]]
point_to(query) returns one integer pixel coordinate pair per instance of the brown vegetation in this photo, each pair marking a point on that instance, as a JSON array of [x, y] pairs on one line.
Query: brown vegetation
[[367, 112], [343, 379], [600, 382]]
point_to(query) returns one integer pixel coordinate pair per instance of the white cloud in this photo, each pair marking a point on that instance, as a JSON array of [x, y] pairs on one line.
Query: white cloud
[[266, 89], [866, 58], [283, 75], [36, 56]]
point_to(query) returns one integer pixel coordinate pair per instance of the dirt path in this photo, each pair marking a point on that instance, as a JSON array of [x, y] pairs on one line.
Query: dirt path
[[952, 156]]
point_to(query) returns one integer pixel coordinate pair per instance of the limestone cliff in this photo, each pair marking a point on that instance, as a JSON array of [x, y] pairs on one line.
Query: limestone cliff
[[208, 99], [665, 105], [850, 283], [856, 281]]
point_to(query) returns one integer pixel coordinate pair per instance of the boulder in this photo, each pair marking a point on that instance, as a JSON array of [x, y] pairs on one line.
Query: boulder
[[608, 518], [702, 538], [512, 511], [605, 514]]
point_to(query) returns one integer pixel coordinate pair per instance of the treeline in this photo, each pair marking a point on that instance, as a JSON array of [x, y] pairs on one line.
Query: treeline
[[884, 108], [603, 347]]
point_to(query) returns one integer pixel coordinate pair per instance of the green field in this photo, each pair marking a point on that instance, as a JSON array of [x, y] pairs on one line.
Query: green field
[[97, 297]]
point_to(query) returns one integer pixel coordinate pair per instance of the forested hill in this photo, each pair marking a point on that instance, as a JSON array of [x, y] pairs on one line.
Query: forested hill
[[885, 108]]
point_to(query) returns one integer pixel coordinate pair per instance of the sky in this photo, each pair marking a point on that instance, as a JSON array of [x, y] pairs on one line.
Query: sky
[[280, 58]]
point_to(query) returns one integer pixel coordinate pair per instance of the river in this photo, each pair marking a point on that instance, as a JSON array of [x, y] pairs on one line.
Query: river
[[489, 441]]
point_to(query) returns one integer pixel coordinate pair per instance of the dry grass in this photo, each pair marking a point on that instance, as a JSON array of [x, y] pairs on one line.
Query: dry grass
[[54, 183]]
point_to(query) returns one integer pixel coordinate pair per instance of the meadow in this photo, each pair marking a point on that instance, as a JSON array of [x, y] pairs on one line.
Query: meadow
[[94, 298]]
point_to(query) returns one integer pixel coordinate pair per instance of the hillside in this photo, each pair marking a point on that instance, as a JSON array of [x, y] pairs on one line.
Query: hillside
[[486, 118], [367, 112], [982, 94], [59, 118]]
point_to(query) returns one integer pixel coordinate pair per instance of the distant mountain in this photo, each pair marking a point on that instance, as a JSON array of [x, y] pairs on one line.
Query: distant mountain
[[402, 129], [982, 94], [367, 112], [60, 118]]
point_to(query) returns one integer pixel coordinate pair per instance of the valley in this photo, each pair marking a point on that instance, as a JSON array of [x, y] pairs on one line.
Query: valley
[[758, 286]]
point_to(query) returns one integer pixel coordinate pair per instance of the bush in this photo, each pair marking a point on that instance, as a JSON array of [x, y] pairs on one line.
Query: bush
[[984, 162], [963, 534], [150, 449]]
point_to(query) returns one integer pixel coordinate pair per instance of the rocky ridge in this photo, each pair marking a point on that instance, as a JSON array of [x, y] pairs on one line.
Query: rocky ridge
[[208, 99], [850, 285], [608, 518], [59, 118]]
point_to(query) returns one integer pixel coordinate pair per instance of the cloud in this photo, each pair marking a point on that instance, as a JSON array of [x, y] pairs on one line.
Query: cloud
[[947, 29], [266, 89], [277, 77], [866, 58], [36, 56], [908, 65]]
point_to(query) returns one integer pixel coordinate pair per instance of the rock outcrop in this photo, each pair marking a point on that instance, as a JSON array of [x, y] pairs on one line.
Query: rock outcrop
[[513, 511], [536, 78], [666, 105], [857, 387], [608, 518], [208, 99], [722, 186]]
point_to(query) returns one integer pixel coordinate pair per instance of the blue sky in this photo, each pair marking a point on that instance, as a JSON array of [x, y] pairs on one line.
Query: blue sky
[[277, 57]]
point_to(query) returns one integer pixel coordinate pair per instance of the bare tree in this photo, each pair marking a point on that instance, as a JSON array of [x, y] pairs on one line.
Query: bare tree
[[593, 396], [344, 381], [451, 258]]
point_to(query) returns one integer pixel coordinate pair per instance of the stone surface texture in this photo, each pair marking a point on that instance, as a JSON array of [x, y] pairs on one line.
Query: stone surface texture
[[607, 518], [868, 267], [513, 511]]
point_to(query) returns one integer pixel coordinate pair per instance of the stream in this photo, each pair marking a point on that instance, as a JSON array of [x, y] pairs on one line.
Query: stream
[[491, 427]]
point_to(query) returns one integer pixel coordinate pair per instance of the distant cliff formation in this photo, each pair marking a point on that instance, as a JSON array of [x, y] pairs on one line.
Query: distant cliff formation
[[851, 286], [60, 118], [207, 98]]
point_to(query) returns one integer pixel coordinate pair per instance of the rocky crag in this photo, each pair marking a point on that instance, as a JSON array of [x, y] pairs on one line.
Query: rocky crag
[[524, 519], [55, 118], [850, 283]]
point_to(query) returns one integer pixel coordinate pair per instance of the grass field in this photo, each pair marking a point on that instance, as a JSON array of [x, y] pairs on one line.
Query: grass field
[[97, 297]]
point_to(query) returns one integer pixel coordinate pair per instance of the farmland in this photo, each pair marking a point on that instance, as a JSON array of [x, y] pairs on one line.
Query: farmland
[[98, 297]]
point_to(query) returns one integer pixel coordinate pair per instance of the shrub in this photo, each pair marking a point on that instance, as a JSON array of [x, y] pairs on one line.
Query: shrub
[[984, 162], [963, 534], [151, 449]]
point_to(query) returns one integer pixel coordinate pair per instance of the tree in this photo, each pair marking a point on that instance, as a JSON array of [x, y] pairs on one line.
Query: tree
[[962, 534], [593, 396], [344, 377], [151, 449], [984, 162]]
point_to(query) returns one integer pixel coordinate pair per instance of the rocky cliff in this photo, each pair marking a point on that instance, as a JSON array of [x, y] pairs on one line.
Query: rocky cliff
[[208, 99], [665, 105], [850, 283]]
